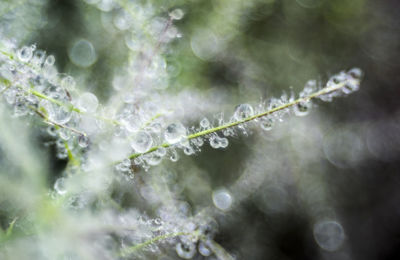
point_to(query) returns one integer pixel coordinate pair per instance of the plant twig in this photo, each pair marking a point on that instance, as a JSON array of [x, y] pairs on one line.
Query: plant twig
[[321, 92], [132, 249], [51, 122]]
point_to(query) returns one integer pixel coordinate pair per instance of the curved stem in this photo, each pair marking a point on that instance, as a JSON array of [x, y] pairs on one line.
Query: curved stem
[[321, 92]]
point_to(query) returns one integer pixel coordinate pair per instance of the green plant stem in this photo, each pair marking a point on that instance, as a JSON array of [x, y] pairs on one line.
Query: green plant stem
[[48, 120], [132, 249], [321, 92], [43, 96], [71, 156]]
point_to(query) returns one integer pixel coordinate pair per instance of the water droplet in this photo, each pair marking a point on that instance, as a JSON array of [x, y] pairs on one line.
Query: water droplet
[[161, 151], [176, 14], [20, 108], [222, 199], [204, 250], [174, 155], [68, 83], [25, 54], [142, 142], [329, 235], [266, 123], [186, 250], [206, 44], [223, 142], [52, 130], [205, 123], [188, 150], [62, 153], [50, 60], [122, 21], [302, 108], [243, 111], [38, 57], [55, 112], [83, 141], [88, 102], [64, 134], [175, 133], [82, 54], [355, 73], [214, 142], [350, 87], [59, 186], [154, 159], [218, 142], [132, 122]]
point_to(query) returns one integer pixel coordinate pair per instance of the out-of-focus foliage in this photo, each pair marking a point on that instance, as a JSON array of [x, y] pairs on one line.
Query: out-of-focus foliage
[[323, 186]]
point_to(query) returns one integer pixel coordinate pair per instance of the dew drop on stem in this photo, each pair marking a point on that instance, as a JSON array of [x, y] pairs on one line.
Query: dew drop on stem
[[243, 111]]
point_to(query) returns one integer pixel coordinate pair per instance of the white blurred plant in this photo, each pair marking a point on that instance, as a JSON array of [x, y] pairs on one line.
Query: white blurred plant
[[140, 126]]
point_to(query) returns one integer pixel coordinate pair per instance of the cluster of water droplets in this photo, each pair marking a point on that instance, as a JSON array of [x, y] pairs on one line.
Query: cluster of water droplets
[[175, 136], [199, 241], [31, 85]]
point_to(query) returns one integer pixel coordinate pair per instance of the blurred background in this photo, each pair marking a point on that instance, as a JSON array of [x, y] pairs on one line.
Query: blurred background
[[325, 186]]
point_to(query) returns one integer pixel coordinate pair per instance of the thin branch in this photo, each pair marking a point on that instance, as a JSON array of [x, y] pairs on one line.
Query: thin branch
[[51, 122], [321, 92], [43, 96], [132, 249]]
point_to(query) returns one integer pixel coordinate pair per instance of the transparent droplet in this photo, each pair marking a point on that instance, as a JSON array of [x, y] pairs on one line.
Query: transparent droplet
[[351, 86], [218, 142], [59, 186], [62, 153], [50, 73], [57, 113], [65, 134], [222, 199], [83, 141], [38, 57], [329, 235], [154, 159], [205, 123], [214, 142], [88, 102], [176, 14], [20, 108], [82, 53], [142, 142], [206, 44], [204, 250], [132, 122], [266, 123], [188, 150], [185, 250], [161, 151], [243, 111], [52, 130], [355, 73], [122, 21], [223, 142], [302, 108], [25, 54], [174, 155], [175, 133], [50, 60], [68, 83]]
